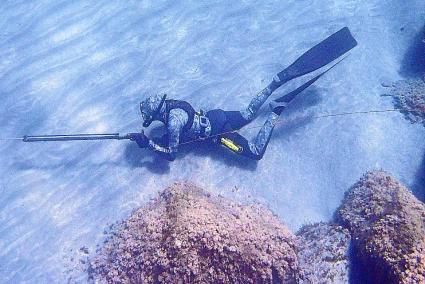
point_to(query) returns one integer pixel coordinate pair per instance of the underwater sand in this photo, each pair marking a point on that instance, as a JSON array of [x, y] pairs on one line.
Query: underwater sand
[[80, 67]]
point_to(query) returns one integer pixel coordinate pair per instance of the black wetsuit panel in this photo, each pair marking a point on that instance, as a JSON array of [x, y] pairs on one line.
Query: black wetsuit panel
[[224, 124]]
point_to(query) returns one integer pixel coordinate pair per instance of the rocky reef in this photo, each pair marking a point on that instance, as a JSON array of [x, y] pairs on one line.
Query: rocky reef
[[186, 235], [409, 97], [387, 224], [324, 253]]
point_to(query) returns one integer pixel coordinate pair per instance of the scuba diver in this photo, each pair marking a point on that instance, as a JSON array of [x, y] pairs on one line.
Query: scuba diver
[[184, 124]]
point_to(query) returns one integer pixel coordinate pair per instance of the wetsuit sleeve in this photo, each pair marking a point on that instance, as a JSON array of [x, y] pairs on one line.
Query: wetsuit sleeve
[[175, 125]]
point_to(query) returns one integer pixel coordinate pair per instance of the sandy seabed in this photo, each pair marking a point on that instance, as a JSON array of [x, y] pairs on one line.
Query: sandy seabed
[[78, 67]]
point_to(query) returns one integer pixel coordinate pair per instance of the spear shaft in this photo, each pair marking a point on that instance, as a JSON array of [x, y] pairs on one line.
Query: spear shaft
[[73, 137]]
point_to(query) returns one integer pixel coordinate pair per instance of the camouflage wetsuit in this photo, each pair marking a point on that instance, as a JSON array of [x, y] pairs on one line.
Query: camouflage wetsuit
[[223, 125]]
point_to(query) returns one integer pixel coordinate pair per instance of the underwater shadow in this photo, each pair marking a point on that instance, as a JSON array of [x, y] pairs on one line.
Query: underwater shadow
[[142, 158], [413, 63], [136, 157], [292, 119], [309, 98], [288, 128], [357, 270], [222, 155], [418, 187]]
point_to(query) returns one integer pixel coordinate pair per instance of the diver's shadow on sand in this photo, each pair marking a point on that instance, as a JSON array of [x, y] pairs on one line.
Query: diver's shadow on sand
[[141, 158], [225, 156], [294, 117]]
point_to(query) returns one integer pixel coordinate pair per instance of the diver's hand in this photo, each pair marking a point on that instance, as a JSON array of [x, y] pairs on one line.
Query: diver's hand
[[141, 139]]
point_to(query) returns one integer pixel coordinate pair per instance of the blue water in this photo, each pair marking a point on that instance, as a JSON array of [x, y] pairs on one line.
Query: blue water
[[83, 66]]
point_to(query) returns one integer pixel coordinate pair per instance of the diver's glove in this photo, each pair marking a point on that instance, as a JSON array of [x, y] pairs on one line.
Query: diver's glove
[[141, 139]]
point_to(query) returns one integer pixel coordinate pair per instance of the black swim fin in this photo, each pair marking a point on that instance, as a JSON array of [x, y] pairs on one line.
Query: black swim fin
[[290, 96], [318, 56]]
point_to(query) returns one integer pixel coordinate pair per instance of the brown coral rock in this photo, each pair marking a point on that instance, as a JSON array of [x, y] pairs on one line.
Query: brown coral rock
[[187, 236], [387, 224], [324, 253], [409, 97]]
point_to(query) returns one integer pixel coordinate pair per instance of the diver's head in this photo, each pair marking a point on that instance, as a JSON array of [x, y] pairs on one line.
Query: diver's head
[[151, 107]]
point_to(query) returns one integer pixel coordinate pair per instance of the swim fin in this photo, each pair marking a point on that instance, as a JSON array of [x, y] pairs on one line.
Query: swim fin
[[318, 56], [279, 104], [291, 95]]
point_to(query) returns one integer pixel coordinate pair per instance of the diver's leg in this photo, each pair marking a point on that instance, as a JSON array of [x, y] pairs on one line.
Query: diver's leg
[[224, 121], [255, 149], [251, 111], [263, 137], [234, 120], [238, 119], [315, 58]]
